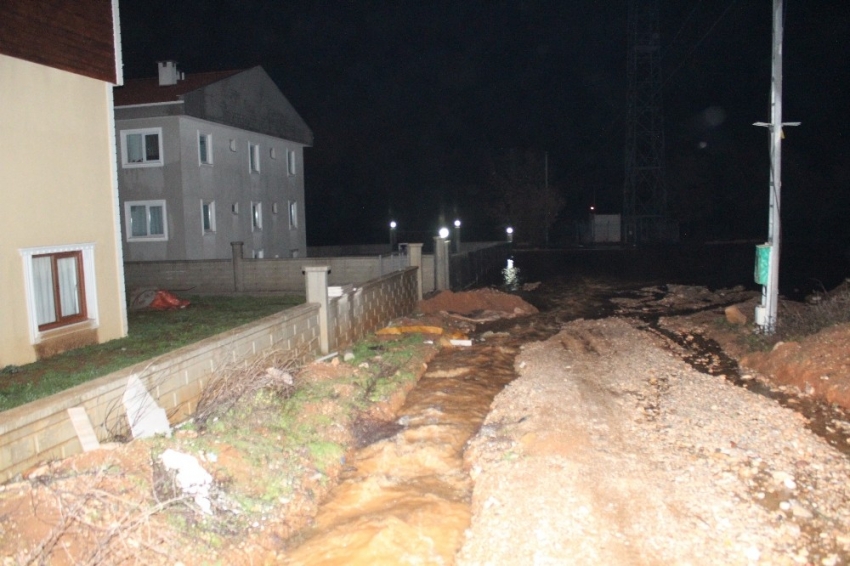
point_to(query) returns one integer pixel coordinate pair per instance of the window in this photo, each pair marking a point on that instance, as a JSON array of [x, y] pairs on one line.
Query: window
[[290, 162], [208, 216], [232, 145], [257, 254], [253, 158], [234, 208], [141, 148], [293, 215], [256, 216], [146, 220], [204, 149], [272, 153], [60, 287], [274, 208]]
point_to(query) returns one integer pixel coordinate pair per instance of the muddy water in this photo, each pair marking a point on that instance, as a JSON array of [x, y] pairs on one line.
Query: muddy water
[[405, 499]]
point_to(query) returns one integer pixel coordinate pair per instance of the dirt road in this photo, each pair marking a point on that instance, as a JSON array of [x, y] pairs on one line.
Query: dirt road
[[609, 449]]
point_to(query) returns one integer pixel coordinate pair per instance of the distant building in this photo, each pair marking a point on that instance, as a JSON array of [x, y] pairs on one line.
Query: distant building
[[208, 159], [61, 270]]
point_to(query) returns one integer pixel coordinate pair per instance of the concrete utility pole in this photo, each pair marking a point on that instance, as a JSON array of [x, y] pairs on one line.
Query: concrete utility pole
[[766, 311]]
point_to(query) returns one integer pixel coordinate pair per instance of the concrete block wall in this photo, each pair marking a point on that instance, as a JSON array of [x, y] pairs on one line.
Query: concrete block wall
[[258, 275], [186, 276], [42, 430]]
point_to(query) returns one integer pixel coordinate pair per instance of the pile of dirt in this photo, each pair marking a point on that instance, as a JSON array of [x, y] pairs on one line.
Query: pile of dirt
[[477, 302], [818, 365]]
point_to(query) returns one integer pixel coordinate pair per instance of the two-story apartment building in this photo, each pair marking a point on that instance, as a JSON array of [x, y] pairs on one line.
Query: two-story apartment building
[[206, 160], [61, 268]]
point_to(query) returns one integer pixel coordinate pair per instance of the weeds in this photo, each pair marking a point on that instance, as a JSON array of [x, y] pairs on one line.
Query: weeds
[[273, 441], [824, 309]]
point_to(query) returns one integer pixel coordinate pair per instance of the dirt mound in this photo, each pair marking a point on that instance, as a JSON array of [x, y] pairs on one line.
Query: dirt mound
[[818, 364], [469, 302]]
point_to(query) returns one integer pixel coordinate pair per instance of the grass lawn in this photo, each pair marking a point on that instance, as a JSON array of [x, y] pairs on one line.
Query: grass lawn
[[151, 333]]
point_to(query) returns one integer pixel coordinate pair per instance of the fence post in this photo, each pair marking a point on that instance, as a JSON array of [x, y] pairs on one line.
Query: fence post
[[441, 263], [317, 292], [236, 250], [414, 259]]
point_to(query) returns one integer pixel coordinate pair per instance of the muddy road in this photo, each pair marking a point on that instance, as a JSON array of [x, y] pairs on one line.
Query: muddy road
[[613, 442]]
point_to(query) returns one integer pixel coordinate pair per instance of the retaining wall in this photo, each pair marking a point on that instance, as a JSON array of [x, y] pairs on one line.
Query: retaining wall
[[42, 430]]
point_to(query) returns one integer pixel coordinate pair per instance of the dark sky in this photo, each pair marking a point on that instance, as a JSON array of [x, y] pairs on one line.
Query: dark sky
[[409, 99]]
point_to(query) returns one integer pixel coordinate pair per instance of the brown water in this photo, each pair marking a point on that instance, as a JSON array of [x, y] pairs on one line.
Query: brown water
[[405, 499]]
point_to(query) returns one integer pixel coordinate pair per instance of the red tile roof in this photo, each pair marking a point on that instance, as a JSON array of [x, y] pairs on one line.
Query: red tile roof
[[146, 91]]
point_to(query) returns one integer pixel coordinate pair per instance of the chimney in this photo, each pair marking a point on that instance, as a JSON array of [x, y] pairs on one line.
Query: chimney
[[168, 73]]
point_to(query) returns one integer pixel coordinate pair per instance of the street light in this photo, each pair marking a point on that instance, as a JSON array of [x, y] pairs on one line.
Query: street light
[[444, 232], [457, 235], [510, 232], [392, 234]]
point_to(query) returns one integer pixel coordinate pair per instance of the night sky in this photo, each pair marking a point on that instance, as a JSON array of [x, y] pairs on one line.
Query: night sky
[[410, 100]]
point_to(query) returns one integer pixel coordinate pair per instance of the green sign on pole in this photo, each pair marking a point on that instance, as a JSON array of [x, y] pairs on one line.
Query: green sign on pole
[[762, 263]]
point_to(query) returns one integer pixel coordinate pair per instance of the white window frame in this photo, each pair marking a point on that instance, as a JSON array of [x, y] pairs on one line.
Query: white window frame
[[291, 164], [89, 286], [256, 216], [292, 207], [253, 158], [126, 163], [147, 204], [210, 206], [208, 139]]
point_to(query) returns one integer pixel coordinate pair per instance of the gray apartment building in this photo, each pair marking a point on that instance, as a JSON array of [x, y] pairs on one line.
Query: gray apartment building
[[208, 159]]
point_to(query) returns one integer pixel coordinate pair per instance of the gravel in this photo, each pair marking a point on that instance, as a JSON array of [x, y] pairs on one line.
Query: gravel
[[610, 449]]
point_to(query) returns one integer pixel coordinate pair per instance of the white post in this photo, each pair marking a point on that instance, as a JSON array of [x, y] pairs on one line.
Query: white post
[[317, 292], [441, 263], [414, 259]]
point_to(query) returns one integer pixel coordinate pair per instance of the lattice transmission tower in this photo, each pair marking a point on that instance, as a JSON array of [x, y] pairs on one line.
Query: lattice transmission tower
[[644, 194]]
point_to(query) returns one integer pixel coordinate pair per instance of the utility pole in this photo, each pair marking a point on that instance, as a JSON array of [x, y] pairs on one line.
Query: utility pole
[[767, 310]]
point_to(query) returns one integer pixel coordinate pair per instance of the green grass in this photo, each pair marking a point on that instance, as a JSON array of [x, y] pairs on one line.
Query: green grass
[[151, 334]]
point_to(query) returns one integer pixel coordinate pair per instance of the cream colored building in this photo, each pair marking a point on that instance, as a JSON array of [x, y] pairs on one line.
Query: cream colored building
[[61, 266]]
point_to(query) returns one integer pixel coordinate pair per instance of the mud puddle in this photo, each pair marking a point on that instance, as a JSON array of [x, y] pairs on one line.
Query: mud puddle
[[405, 499]]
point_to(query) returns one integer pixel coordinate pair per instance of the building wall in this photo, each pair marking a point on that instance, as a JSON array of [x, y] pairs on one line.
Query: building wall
[[184, 182], [57, 177]]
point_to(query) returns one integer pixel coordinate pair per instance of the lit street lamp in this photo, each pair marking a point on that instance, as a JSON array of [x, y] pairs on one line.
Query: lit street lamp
[[510, 232], [444, 232], [392, 234], [457, 235]]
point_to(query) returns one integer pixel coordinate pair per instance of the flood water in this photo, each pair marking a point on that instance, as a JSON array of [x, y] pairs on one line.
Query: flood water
[[405, 499]]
